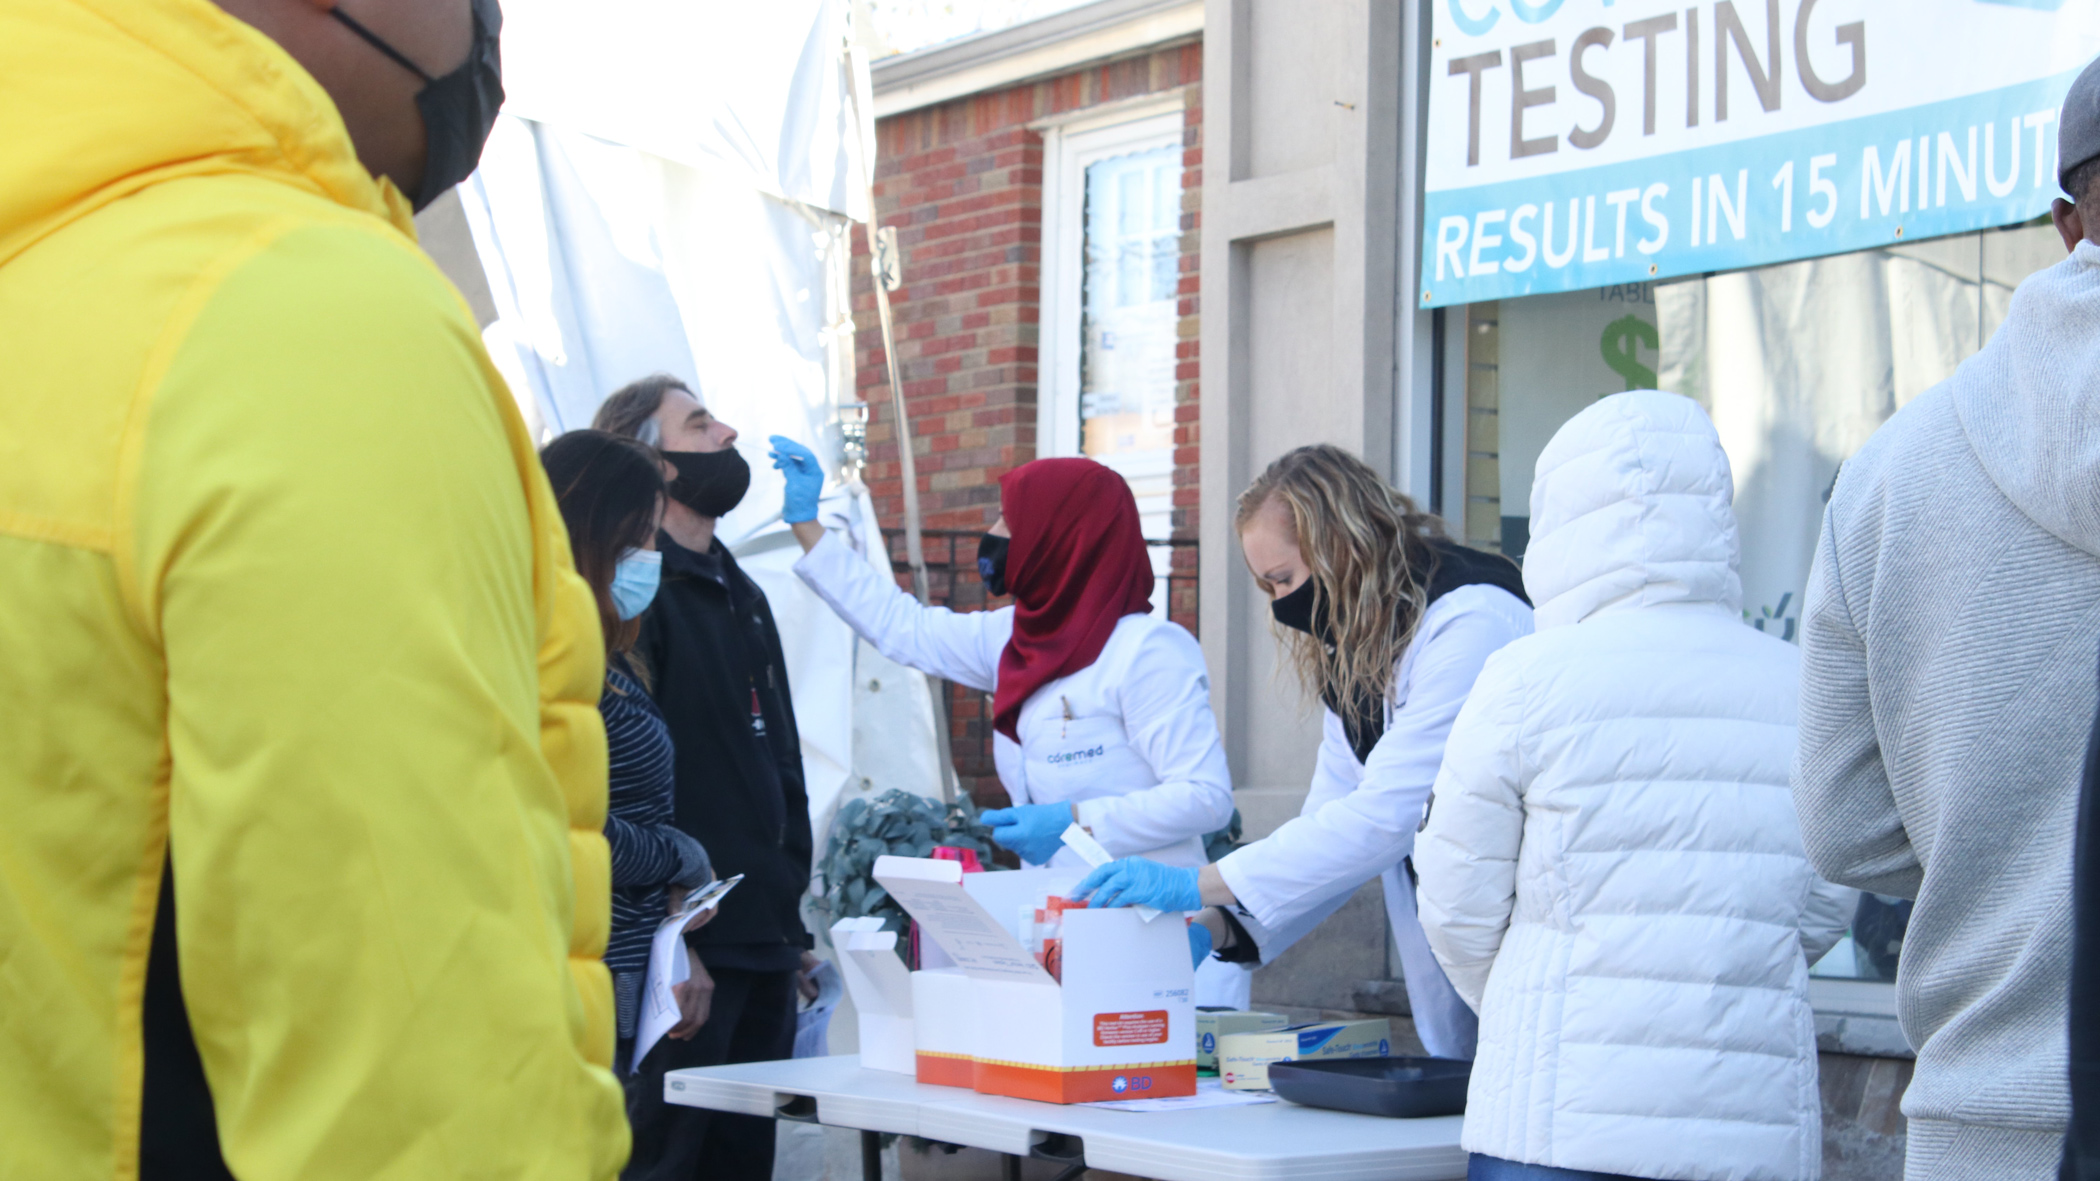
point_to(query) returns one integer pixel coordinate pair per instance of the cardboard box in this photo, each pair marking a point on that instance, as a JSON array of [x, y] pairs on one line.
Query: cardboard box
[[1244, 1058], [947, 1039], [1212, 1024], [881, 989], [1120, 1025]]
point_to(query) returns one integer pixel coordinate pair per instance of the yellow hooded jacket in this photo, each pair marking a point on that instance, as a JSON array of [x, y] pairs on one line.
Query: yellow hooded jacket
[[283, 595]]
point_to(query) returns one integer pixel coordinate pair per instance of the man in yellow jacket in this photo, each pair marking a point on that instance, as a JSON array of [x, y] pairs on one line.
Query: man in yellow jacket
[[301, 779]]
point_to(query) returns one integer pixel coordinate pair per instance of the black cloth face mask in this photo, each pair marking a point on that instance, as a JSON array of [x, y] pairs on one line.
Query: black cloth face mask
[[709, 482], [991, 562], [1363, 720], [459, 109], [1295, 611], [1455, 566]]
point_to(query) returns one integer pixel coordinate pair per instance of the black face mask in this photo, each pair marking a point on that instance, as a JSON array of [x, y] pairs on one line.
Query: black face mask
[[1295, 610], [991, 562], [709, 482], [459, 109]]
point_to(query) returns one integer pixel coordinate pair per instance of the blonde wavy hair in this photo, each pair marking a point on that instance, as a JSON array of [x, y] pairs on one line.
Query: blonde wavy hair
[[1368, 548]]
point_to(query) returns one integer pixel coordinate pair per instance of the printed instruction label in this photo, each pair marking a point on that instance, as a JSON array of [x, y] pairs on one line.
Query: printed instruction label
[[1131, 1029]]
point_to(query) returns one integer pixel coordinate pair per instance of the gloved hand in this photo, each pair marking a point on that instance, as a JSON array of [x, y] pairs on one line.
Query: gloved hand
[[805, 479], [1199, 944], [1035, 831], [1134, 881]]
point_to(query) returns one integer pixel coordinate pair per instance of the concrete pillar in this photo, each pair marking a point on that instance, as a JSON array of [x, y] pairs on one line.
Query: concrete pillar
[[1303, 296]]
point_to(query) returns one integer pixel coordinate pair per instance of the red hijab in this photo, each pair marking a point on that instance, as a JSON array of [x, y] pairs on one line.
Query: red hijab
[[1076, 565]]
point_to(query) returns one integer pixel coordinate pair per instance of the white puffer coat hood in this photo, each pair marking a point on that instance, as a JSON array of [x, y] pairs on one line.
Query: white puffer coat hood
[[1632, 506], [1611, 870]]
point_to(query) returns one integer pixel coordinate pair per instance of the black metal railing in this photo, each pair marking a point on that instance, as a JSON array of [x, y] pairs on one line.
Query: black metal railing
[[953, 582]]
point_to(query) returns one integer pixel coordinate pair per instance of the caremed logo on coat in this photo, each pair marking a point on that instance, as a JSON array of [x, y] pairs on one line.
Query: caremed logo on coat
[[1575, 144], [1076, 756]]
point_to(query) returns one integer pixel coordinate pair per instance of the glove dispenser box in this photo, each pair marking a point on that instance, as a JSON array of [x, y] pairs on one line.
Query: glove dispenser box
[[1120, 1025]]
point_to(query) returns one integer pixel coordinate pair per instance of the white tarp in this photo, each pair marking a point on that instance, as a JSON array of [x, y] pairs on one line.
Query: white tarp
[[668, 190], [751, 92], [608, 263]]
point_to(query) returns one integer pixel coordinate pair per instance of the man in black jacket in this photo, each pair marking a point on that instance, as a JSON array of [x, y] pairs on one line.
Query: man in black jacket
[[714, 655]]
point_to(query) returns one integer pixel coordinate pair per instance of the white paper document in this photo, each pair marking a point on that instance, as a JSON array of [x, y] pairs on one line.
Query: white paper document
[[1210, 1092], [932, 893], [1082, 842], [668, 968]]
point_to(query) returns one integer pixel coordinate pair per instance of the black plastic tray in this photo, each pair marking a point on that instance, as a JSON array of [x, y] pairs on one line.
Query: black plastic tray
[[1406, 1088]]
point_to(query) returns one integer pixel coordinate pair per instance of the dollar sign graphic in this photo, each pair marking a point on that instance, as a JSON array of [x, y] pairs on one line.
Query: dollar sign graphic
[[1622, 338]]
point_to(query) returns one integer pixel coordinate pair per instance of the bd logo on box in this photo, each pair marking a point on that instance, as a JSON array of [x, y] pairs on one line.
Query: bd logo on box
[[1121, 1084]]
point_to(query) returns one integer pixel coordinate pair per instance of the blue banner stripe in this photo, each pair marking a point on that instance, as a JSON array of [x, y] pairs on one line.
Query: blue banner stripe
[[1820, 190]]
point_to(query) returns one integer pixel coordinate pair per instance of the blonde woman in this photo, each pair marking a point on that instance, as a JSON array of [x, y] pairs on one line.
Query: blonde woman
[[1387, 622]]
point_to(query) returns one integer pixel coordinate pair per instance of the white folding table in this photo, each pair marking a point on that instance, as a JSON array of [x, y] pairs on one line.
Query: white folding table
[[1267, 1142]]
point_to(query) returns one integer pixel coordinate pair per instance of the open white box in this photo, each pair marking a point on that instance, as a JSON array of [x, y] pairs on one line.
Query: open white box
[[881, 991], [1121, 1025]]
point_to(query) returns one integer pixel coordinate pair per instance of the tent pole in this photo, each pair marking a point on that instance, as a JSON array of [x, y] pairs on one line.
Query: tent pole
[[861, 87], [914, 545]]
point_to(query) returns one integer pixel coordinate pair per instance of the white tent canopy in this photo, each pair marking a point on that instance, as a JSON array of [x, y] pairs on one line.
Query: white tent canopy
[[753, 93], [670, 189]]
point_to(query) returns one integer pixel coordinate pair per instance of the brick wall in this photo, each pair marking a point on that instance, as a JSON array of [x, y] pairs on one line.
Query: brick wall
[[962, 183], [1187, 373]]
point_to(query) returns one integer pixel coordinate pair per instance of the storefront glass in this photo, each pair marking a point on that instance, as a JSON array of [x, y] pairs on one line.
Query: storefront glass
[[1797, 363], [1129, 314]]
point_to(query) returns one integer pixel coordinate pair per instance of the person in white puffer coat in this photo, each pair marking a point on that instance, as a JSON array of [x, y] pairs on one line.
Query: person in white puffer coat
[[1611, 871]]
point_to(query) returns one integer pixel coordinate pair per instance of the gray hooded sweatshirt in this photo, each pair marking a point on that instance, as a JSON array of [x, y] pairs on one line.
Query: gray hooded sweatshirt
[[1950, 631]]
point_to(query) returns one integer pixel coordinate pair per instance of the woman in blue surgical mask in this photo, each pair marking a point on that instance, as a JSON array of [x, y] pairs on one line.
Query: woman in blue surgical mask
[[611, 492]]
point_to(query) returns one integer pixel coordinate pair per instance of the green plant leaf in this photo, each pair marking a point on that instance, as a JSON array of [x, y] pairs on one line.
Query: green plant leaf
[[895, 823]]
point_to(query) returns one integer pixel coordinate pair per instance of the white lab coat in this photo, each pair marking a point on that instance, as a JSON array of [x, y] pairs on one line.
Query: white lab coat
[[1129, 739], [1359, 819]]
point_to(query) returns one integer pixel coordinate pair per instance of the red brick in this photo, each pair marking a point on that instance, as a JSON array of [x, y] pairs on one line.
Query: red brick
[[962, 184]]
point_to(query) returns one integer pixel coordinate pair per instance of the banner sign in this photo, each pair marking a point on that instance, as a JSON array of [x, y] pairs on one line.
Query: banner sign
[[1579, 143]]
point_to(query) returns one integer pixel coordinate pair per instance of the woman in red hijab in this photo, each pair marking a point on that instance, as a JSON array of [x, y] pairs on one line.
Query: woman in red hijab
[[1102, 709]]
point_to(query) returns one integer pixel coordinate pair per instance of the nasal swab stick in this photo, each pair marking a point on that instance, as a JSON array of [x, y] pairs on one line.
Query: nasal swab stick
[[1082, 842]]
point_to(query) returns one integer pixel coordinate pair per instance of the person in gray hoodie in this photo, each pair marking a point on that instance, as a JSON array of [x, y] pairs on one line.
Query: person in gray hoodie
[[1947, 686]]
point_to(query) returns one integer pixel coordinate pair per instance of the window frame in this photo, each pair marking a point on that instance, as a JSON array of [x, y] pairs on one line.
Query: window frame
[[1068, 149]]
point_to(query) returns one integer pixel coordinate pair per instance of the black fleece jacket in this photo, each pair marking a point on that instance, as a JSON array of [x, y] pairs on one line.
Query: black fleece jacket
[[721, 682]]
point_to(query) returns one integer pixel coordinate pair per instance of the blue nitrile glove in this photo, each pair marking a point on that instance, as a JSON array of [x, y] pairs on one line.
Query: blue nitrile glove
[[1199, 944], [1035, 831], [1134, 881], [805, 479]]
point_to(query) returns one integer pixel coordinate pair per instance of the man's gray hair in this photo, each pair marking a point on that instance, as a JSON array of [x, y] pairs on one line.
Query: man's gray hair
[[631, 411]]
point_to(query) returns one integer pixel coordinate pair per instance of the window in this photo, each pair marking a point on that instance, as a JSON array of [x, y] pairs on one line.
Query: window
[[1111, 305], [1797, 363]]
